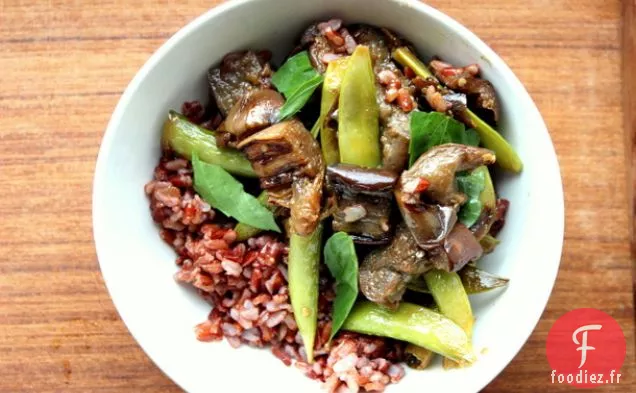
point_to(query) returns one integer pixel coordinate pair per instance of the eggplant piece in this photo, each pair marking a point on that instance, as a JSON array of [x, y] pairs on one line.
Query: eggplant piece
[[255, 111], [461, 247], [282, 151], [429, 223], [482, 226], [395, 139], [480, 92], [318, 47], [385, 272], [501, 209], [381, 43], [364, 199], [286, 156], [427, 194], [238, 73], [305, 204], [437, 168]]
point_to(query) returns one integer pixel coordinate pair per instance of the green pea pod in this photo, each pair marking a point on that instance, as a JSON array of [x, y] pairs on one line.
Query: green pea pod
[[405, 57], [476, 280], [244, 231], [358, 113], [330, 91], [451, 298], [186, 138], [487, 197], [507, 158], [414, 324], [488, 243], [304, 258]]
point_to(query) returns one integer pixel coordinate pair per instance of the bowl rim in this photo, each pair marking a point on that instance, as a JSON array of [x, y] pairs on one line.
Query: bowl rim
[[454, 26]]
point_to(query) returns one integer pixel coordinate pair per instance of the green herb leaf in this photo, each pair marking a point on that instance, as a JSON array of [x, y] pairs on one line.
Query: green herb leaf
[[296, 70], [342, 261], [296, 80], [471, 137], [429, 129], [223, 192], [299, 98], [471, 184]]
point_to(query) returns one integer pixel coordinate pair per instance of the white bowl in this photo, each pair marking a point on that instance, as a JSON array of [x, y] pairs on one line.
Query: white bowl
[[138, 267]]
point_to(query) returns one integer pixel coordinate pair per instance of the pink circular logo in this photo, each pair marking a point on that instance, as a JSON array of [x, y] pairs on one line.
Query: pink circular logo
[[586, 348]]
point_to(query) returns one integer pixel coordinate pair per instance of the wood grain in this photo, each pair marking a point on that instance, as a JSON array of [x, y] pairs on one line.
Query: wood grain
[[63, 65], [629, 103]]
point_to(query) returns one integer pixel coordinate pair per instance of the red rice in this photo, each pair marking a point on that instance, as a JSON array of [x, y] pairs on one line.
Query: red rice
[[246, 283]]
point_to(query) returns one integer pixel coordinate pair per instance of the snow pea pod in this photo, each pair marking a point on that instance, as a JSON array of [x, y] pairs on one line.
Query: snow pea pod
[[358, 113], [451, 298], [304, 258], [186, 138], [507, 158], [488, 198], [330, 91], [414, 324]]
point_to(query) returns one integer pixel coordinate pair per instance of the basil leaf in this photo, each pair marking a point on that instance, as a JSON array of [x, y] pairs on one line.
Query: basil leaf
[[429, 129], [296, 70], [342, 261], [296, 80], [223, 192], [471, 184], [471, 137], [299, 98]]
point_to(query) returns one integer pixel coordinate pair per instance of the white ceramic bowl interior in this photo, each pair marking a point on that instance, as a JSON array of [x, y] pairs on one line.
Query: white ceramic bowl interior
[[138, 267]]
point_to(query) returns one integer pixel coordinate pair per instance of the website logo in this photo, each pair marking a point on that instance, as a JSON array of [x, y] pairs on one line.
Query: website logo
[[586, 348]]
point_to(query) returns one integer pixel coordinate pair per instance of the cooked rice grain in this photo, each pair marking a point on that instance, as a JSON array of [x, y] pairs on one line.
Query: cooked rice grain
[[246, 283]]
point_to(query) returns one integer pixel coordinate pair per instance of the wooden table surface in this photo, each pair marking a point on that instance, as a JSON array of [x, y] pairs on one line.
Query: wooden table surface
[[63, 66]]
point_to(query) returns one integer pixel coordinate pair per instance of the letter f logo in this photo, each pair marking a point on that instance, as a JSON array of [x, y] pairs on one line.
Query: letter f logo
[[584, 347]]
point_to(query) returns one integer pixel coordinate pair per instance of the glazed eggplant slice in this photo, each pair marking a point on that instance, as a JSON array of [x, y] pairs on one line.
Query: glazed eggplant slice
[[363, 198], [318, 47], [433, 174], [395, 139], [256, 110], [286, 156], [430, 223], [385, 272], [480, 92], [461, 247], [305, 204], [238, 73], [427, 194]]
